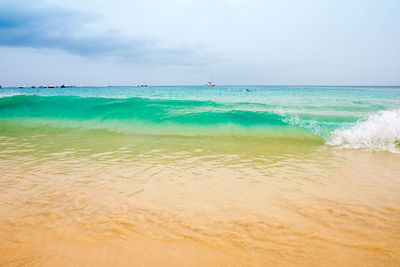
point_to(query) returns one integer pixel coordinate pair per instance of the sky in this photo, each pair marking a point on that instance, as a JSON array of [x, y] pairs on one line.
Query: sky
[[190, 42]]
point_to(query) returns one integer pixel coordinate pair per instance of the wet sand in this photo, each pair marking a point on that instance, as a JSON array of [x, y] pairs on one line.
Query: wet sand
[[326, 207]]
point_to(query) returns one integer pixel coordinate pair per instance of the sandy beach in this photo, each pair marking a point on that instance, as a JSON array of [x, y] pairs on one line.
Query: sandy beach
[[305, 207]]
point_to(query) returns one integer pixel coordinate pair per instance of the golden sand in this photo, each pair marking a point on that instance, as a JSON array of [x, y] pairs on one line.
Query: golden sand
[[325, 208]]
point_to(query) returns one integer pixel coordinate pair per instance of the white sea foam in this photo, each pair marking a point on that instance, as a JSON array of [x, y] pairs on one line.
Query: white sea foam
[[379, 132], [10, 94]]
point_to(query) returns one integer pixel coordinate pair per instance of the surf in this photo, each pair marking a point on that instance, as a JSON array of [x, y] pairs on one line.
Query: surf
[[148, 116], [379, 131]]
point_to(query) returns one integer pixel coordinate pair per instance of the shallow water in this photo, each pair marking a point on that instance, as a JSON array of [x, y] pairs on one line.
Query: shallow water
[[157, 180]]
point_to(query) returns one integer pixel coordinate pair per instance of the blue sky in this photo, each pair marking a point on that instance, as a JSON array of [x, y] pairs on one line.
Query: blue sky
[[126, 42]]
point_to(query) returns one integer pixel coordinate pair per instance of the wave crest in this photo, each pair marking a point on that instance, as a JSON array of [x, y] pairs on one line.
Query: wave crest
[[379, 132], [150, 116]]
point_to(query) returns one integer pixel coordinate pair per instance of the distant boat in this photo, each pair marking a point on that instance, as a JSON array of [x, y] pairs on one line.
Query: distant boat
[[22, 86], [210, 84]]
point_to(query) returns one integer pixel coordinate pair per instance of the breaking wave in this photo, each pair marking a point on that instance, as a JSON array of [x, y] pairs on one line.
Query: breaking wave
[[150, 116], [379, 132]]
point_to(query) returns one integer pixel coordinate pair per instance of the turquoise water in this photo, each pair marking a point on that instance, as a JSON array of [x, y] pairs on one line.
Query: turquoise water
[[352, 117]]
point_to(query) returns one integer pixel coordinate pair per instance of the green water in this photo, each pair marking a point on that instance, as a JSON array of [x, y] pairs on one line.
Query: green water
[[356, 117]]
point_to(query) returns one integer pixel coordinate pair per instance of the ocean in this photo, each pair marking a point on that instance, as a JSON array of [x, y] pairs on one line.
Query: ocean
[[179, 175]]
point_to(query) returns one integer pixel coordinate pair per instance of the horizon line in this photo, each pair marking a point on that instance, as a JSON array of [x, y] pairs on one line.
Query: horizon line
[[199, 85]]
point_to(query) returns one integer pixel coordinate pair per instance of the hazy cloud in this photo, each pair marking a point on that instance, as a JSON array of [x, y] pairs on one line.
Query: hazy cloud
[[43, 25]]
